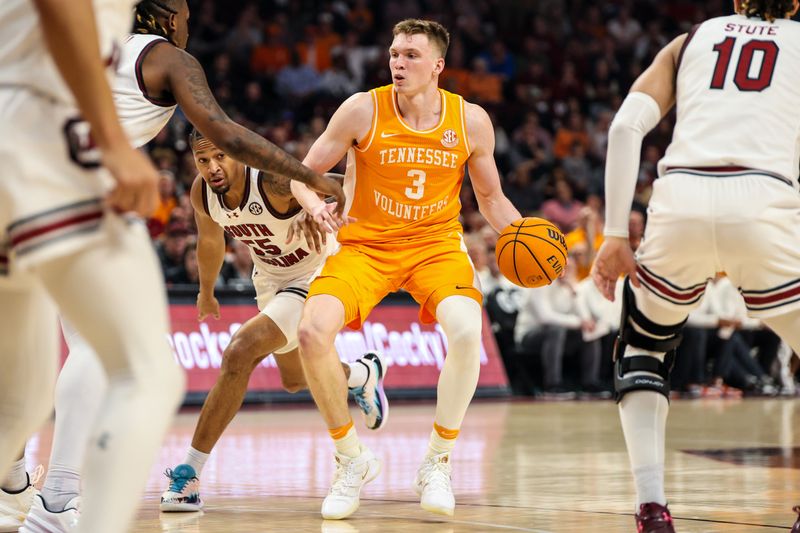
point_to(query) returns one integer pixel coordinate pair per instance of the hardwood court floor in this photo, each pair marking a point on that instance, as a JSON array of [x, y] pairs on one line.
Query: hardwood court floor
[[732, 466]]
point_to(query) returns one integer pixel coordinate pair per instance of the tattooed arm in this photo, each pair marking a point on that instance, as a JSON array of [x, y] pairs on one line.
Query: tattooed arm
[[169, 70]]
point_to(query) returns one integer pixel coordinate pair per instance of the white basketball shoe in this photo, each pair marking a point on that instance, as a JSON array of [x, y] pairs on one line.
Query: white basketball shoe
[[432, 485], [43, 520], [351, 474], [14, 507]]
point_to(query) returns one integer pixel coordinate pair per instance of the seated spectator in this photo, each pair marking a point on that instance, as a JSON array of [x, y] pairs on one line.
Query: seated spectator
[[167, 201], [556, 334], [296, 81], [563, 210], [187, 273], [171, 247], [238, 268], [734, 363], [689, 373], [479, 255], [484, 87], [570, 133], [271, 56], [587, 237], [337, 81], [599, 327]]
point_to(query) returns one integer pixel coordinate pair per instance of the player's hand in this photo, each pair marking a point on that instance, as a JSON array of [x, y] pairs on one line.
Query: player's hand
[[614, 259], [207, 305], [136, 179], [328, 186], [588, 325], [325, 215], [305, 225]]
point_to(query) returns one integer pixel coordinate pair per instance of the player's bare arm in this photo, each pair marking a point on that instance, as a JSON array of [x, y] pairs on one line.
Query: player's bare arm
[[79, 62], [210, 252], [183, 77], [493, 204], [349, 124], [651, 97]]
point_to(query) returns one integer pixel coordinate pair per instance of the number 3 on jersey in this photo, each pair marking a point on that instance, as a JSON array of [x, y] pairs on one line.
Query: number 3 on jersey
[[769, 53], [418, 189]]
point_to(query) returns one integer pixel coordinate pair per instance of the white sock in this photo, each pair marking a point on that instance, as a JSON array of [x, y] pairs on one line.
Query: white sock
[[359, 373], [348, 445], [17, 478], [649, 484], [62, 484], [196, 459], [438, 445], [644, 418]]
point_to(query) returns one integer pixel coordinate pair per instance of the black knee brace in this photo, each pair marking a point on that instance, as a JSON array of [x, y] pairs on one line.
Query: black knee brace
[[629, 336]]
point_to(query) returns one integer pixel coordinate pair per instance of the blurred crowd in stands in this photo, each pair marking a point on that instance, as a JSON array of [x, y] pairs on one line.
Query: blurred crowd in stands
[[551, 74]]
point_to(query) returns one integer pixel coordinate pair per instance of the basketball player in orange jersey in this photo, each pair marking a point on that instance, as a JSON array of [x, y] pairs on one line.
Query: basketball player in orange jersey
[[407, 145], [725, 200]]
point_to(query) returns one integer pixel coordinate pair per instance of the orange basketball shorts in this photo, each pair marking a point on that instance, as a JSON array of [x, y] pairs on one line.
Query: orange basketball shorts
[[430, 269]]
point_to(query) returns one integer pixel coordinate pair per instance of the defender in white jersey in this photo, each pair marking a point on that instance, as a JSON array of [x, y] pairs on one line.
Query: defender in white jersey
[[61, 239], [257, 209], [726, 201]]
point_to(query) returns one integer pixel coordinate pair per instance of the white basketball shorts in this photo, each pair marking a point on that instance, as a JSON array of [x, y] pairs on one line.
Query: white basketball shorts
[[746, 225], [52, 185], [282, 301]]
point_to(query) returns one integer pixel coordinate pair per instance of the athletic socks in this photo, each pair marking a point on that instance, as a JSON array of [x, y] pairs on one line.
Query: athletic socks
[[17, 478], [442, 440], [196, 459], [346, 440], [359, 373], [61, 485]]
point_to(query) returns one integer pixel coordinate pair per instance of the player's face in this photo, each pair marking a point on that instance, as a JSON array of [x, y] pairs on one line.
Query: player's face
[[415, 62], [215, 166]]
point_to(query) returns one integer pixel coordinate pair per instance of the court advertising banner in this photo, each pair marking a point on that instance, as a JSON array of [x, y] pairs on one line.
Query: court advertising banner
[[414, 352]]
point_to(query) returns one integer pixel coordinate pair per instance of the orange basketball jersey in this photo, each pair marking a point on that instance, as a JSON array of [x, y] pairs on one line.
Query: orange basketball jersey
[[405, 183]]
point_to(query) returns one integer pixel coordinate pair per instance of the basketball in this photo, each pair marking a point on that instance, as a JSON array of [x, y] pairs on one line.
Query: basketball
[[531, 252]]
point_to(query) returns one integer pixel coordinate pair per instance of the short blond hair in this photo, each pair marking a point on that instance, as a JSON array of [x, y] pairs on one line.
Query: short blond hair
[[437, 34]]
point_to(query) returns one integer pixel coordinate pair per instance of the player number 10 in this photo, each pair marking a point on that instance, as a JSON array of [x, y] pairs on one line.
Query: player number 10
[[418, 189]]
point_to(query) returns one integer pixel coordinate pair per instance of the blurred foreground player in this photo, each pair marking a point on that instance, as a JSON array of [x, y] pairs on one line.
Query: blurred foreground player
[[68, 235]]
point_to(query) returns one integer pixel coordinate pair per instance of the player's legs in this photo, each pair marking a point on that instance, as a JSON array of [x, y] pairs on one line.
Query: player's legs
[[145, 384], [676, 259], [323, 317], [29, 362], [350, 285], [256, 339], [80, 389], [441, 278]]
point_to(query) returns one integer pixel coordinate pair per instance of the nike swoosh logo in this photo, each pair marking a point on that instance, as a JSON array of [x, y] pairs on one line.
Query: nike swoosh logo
[[463, 287], [385, 135]]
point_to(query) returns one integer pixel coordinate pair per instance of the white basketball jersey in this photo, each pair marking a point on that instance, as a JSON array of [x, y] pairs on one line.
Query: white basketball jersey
[[256, 223], [142, 115], [25, 61], [738, 98]]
